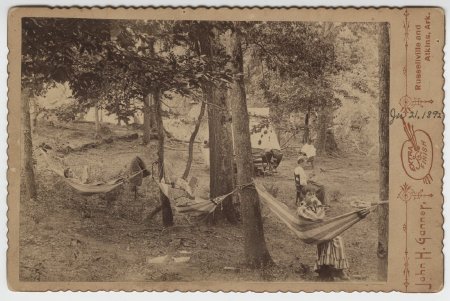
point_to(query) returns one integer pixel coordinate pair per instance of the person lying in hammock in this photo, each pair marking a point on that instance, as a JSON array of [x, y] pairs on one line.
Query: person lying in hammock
[[331, 261], [304, 183], [132, 169]]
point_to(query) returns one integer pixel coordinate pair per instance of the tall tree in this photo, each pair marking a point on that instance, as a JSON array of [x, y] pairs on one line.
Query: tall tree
[[298, 67], [167, 215], [149, 99], [221, 151], [148, 120], [28, 167], [383, 210], [220, 137], [328, 33], [255, 249], [203, 39], [97, 122]]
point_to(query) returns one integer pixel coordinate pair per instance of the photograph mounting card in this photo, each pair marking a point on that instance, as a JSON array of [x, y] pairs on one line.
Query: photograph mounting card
[[225, 149]]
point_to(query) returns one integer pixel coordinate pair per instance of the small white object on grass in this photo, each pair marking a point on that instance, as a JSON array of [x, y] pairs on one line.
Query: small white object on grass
[[159, 259], [181, 259], [168, 259]]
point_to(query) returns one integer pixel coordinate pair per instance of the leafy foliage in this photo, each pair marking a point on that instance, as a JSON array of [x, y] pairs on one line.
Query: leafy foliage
[[110, 64], [114, 64]]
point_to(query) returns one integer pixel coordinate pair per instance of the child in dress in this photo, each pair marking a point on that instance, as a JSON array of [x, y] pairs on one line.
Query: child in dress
[[331, 260]]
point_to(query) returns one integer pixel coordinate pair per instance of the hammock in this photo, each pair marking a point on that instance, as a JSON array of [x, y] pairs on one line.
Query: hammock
[[97, 187], [312, 232], [185, 205]]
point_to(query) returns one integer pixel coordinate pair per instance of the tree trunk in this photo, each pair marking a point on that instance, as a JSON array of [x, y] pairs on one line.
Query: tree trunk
[[97, 123], [147, 126], [256, 253], [167, 216], [34, 115], [221, 154], [28, 169], [383, 210], [322, 121], [192, 140], [306, 134], [152, 107], [220, 138]]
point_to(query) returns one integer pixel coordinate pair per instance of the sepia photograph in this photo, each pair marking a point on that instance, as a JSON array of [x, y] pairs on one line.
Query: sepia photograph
[[186, 151], [197, 150]]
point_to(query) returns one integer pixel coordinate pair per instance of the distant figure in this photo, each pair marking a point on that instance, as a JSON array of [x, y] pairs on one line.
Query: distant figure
[[205, 152], [304, 184], [136, 166], [331, 261], [309, 151]]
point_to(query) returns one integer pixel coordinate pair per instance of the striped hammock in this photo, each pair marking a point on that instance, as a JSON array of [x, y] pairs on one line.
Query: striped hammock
[[90, 188], [311, 232]]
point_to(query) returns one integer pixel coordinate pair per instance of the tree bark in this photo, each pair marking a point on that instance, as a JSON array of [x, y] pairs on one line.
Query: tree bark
[[221, 154], [255, 250], [383, 210], [34, 115], [192, 141], [322, 131], [147, 126], [28, 168], [97, 123], [307, 134], [151, 105], [167, 216], [220, 138]]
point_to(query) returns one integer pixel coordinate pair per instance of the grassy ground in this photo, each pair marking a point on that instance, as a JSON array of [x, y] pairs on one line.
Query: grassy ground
[[66, 237]]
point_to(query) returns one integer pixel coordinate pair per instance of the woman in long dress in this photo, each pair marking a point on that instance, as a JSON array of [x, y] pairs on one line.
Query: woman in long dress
[[331, 261]]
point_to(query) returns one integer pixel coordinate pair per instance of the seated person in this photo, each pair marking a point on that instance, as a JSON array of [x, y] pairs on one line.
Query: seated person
[[277, 156], [309, 151], [331, 260], [304, 183]]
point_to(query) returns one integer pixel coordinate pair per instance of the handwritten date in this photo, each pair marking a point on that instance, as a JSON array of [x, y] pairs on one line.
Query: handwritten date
[[414, 115]]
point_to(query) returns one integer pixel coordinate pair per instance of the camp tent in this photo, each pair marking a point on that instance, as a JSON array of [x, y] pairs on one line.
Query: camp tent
[[262, 133], [264, 141]]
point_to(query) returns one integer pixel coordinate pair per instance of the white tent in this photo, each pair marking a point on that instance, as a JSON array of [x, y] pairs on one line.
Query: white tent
[[263, 135]]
